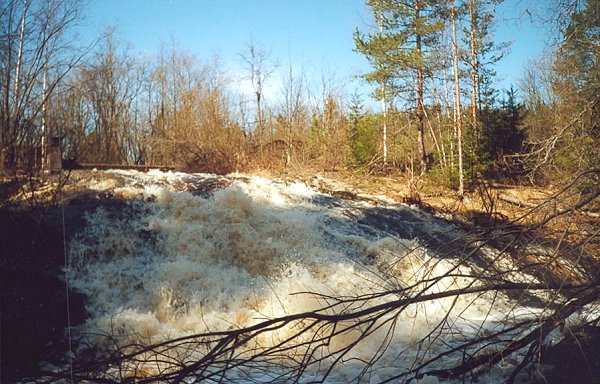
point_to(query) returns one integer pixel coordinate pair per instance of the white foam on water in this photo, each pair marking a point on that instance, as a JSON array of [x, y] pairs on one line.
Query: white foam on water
[[185, 264], [101, 185]]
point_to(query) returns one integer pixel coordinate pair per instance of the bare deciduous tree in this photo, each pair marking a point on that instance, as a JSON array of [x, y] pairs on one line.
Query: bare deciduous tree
[[35, 44], [260, 67]]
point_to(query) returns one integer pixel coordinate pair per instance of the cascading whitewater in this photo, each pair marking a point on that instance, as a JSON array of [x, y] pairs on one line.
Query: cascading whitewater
[[182, 264]]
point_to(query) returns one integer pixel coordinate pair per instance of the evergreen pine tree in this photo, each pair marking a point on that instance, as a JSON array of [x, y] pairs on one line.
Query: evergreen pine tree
[[401, 52]]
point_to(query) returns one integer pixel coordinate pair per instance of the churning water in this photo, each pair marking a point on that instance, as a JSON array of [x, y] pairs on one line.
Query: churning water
[[182, 260]]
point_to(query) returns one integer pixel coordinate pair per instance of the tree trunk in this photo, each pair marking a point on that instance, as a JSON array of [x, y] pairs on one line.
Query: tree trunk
[[7, 134], [457, 104], [259, 120], [20, 53], [384, 106], [45, 135], [420, 85], [474, 70], [384, 110], [434, 138]]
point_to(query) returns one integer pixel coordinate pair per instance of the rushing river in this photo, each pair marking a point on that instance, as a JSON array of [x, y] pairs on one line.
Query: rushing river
[[196, 253]]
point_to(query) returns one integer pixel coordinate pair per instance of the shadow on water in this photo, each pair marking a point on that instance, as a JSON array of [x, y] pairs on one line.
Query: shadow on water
[[33, 308], [448, 238]]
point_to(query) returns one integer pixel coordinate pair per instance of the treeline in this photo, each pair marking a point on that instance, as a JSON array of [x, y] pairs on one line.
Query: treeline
[[432, 67], [437, 60]]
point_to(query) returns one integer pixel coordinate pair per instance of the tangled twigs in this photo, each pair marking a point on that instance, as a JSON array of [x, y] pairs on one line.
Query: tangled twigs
[[228, 349], [539, 333]]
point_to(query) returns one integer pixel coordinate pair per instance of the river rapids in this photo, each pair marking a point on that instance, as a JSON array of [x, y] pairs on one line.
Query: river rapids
[[199, 253]]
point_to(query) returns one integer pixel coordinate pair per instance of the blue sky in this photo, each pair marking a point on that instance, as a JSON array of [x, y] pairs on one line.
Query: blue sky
[[314, 35]]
